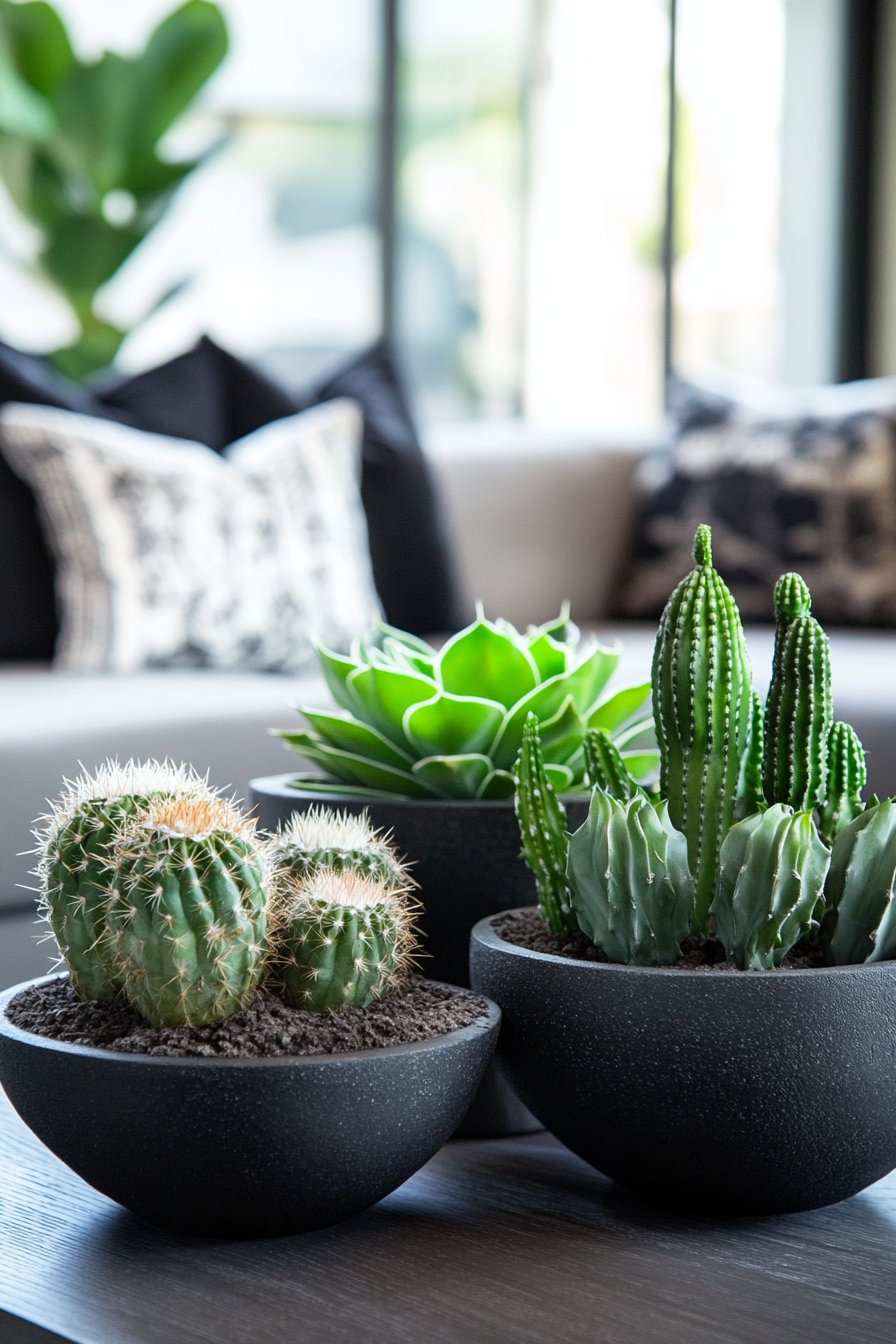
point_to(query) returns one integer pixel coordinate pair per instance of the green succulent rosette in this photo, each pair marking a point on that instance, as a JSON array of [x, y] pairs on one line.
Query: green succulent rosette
[[416, 722]]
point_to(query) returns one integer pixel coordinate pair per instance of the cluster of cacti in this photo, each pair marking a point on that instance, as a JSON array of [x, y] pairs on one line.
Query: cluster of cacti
[[758, 837], [342, 913], [159, 889], [418, 722]]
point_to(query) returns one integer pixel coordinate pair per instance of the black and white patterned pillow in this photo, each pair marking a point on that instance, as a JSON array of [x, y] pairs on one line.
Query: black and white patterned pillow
[[169, 555], [788, 479]]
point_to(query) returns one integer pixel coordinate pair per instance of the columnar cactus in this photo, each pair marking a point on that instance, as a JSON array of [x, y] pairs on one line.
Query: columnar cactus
[[772, 869], [798, 710], [860, 887], [629, 882], [74, 848], [542, 821], [605, 768], [845, 780], [341, 939], [702, 702], [321, 838], [189, 910]]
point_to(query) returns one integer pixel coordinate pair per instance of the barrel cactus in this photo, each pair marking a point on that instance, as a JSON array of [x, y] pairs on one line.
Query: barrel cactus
[[417, 722], [321, 838], [74, 847], [772, 869], [702, 701], [630, 886], [341, 939], [188, 914]]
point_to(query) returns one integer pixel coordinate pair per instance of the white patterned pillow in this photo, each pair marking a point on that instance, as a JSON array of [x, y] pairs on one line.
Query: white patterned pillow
[[172, 556]]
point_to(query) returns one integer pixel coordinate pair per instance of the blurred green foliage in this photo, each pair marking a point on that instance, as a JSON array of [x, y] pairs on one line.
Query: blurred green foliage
[[79, 147]]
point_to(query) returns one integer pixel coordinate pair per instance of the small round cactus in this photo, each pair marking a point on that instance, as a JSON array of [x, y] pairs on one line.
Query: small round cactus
[[321, 838], [189, 910], [74, 847], [341, 939]]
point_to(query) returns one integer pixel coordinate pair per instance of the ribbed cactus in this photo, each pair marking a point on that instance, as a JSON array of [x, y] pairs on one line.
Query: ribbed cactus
[[542, 821], [74, 849], [629, 882], [859, 889], [341, 939], [702, 701], [189, 911], [772, 869], [845, 780], [321, 838], [798, 709], [605, 768]]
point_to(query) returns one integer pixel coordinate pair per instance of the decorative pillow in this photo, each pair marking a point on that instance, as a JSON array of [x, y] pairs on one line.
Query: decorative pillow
[[789, 479], [210, 396], [171, 556]]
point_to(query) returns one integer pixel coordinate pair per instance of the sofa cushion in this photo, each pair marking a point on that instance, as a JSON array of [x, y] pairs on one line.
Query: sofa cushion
[[170, 555], [212, 397], [799, 479]]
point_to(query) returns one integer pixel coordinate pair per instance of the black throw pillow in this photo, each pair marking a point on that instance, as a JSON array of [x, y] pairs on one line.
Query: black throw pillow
[[206, 395], [408, 545]]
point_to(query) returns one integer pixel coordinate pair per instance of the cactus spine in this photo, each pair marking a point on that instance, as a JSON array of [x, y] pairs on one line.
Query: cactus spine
[[772, 868], [629, 882], [845, 777], [321, 838], [860, 887], [75, 849], [702, 700], [798, 710], [542, 822], [189, 912], [605, 768], [341, 939]]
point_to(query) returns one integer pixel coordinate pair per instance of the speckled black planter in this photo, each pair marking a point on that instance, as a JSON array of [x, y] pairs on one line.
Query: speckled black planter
[[466, 860], [747, 1092], [244, 1148]]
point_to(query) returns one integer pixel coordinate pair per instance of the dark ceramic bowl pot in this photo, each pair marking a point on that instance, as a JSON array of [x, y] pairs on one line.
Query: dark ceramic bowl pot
[[244, 1147], [466, 858], [743, 1092]]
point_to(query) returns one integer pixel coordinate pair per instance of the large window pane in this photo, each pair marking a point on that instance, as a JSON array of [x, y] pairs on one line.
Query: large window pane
[[461, 203], [598, 157]]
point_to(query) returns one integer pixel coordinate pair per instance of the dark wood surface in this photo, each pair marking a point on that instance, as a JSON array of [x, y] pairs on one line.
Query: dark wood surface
[[510, 1241]]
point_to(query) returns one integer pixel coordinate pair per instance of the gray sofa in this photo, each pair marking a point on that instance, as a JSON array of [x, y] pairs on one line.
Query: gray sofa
[[535, 518]]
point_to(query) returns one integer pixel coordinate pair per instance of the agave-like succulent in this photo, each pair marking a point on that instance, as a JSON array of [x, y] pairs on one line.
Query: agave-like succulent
[[417, 722]]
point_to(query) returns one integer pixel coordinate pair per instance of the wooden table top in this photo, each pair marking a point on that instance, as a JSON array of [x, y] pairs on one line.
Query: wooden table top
[[510, 1241]]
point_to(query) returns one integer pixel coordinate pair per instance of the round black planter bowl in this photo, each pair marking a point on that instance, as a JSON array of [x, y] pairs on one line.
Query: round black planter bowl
[[748, 1092], [466, 859], [244, 1147]]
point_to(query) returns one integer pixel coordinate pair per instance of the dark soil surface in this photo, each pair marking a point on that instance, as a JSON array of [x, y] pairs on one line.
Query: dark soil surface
[[525, 928], [266, 1028]]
